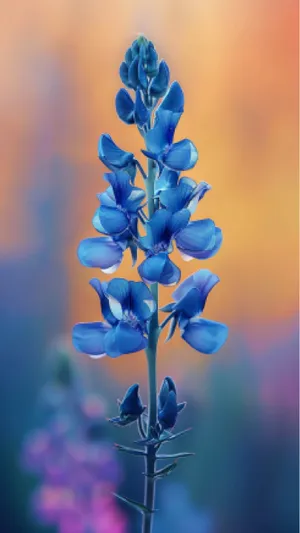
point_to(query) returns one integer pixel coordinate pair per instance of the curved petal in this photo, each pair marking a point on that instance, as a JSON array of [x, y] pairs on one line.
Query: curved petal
[[110, 344], [125, 106], [178, 197], [123, 71], [181, 156], [131, 403], [166, 386], [161, 135], [173, 101], [97, 223], [141, 112], [141, 299], [100, 252], [107, 197], [118, 292], [142, 76], [129, 339], [160, 83], [133, 201], [206, 336], [113, 220], [159, 268], [198, 193], [133, 78], [167, 179], [89, 338], [179, 221], [158, 227], [100, 289], [111, 154], [212, 248], [203, 281], [197, 236], [168, 415]]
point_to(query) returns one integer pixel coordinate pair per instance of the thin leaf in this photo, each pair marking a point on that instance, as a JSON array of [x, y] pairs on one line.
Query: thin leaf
[[132, 451], [180, 455], [172, 328], [175, 436], [134, 505], [163, 472]]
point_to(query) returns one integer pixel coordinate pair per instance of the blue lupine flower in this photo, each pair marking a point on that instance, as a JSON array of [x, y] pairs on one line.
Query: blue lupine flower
[[127, 307], [166, 180], [161, 229], [168, 408], [130, 408], [186, 194], [199, 239], [114, 157], [190, 297], [178, 156], [119, 205]]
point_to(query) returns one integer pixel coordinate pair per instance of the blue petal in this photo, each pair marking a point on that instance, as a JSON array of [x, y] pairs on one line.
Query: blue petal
[[134, 199], [173, 101], [107, 197], [181, 156], [206, 336], [178, 197], [143, 82], [210, 250], [111, 154], [97, 224], [166, 386], [110, 344], [198, 193], [89, 338], [131, 403], [128, 56], [167, 179], [179, 221], [168, 415], [203, 281], [124, 73], [133, 78], [125, 106], [128, 339], [113, 220], [161, 135], [158, 227], [100, 252], [142, 302], [100, 288], [118, 292], [160, 83], [120, 184], [141, 112], [197, 236], [159, 268]]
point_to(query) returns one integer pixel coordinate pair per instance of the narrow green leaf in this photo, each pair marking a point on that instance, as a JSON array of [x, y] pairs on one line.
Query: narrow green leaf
[[175, 436], [163, 472], [132, 451], [180, 455], [134, 505]]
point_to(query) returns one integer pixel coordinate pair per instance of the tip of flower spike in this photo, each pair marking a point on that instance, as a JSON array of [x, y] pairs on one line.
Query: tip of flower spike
[[141, 39]]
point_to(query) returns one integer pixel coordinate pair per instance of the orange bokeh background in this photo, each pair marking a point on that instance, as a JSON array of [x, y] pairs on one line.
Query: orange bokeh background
[[237, 62]]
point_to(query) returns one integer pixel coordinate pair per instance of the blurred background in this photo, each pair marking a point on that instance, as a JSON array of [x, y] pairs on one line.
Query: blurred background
[[237, 62]]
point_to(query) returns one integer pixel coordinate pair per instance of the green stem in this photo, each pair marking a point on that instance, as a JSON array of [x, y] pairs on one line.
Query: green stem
[[150, 460]]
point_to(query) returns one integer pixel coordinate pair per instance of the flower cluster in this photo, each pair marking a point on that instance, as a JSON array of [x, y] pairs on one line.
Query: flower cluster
[[128, 306], [77, 468]]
